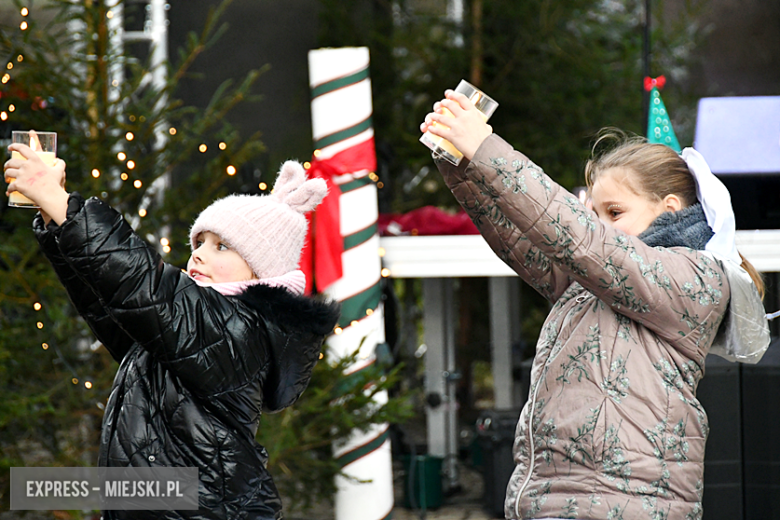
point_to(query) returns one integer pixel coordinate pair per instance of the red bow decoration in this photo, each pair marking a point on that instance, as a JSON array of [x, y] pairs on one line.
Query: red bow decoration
[[659, 82], [321, 256]]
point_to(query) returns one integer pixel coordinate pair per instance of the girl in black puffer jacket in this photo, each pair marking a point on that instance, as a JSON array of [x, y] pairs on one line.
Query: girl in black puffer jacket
[[201, 352]]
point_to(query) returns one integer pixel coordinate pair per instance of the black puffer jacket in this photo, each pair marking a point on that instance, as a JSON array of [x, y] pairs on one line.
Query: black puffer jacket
[[196, 367]]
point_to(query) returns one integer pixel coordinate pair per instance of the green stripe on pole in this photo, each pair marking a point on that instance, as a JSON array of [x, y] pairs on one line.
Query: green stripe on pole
[[362, 451], [355, 239], [338, 83], [354, 307], [341, 135], [353, 185]]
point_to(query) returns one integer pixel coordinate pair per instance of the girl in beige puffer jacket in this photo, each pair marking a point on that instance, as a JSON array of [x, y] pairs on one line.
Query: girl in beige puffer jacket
[[641, 281]]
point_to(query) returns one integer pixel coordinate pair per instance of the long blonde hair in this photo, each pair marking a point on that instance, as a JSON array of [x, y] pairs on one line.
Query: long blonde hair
[[655, 171]]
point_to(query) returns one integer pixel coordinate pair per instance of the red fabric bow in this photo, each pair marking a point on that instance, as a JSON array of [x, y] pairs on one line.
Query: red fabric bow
[[659, 82], [321, 256]]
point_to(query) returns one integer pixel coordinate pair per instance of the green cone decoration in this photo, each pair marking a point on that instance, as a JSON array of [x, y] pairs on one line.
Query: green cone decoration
[[659, 128]]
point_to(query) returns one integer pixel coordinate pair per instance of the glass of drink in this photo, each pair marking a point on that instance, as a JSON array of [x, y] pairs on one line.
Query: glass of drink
[[443, 148], [42, 143]]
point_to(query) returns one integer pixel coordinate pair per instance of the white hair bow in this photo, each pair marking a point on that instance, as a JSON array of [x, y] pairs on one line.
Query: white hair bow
[[716, 202]]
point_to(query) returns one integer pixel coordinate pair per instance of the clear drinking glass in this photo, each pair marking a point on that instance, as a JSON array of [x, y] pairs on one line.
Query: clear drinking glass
[[443, 148], [42, 143]]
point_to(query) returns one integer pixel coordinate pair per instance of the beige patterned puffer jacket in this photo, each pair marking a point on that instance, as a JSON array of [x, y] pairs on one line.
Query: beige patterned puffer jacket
[[612, 428]]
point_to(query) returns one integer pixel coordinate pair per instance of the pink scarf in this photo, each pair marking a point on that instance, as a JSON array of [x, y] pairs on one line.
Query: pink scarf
[[294, 281]]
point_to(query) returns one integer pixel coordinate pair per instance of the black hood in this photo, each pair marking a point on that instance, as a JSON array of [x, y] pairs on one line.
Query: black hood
[[297, 327]]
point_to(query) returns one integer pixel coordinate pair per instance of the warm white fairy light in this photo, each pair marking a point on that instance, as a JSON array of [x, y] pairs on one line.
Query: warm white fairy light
[[88, 385], [45, 346], [172, 131], [231, 170], [39, 325], [130, 165], [6, 78], [164, 241], [385, 272], [382, 251], [75, 380], [110, 14], [11, 108], [20, 58], [369, 312], [23, 26], [121, 156], [263, 186], [338, 330], [3, 116], [137, 183], [222, 145], [306, 165], [123, 176], [9, 66], [25, 11], [37, 306], [142, 212], [129, 136], [202, 148], [380, 185], [96, 173], [317, 153], [353, 323], [166, 249]]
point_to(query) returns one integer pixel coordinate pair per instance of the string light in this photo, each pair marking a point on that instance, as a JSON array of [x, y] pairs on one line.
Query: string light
[[75, 381], [37, 306], [130, 165], [373, 176], [142, 212], [306, 165], [222, 145], [172, 131], [110, 14], [322, 355], [121, 156], [369, 312], [6, 78], [231, 170], [3, 116], [123, 176], [11, 108], [202, 148], [353, 323], [39, 325], [338, 330], [380, 185], [9, 66], [385, 272], [88, 385], [382, 251], [166, 249], [164, 241], [96, 173], [20, 58], [45, 346], [263, 186], [23, 26], [317, 153], [137, 183], [25, 11], [129, 136], [115, 83]]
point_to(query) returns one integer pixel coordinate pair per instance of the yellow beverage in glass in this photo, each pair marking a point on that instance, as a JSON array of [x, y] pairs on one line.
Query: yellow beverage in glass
[[442, 147], [45, 145]]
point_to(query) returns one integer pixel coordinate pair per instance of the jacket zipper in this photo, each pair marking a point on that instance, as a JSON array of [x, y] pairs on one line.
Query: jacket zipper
[[532, 455]]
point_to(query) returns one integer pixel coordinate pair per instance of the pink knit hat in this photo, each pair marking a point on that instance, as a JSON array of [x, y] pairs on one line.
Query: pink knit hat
[[266, 230]]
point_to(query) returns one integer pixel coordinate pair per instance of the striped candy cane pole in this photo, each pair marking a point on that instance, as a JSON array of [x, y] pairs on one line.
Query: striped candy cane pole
[[341, 118]]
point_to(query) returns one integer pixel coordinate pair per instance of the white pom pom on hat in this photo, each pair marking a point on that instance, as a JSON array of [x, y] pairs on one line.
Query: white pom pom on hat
[[268, 231]]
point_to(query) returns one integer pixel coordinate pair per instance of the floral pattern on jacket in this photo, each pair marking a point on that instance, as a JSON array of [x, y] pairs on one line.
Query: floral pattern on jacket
[[612, 427]]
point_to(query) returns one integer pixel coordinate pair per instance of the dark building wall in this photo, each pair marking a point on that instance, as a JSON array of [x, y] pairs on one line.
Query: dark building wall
[[276, 33], [741, 56]]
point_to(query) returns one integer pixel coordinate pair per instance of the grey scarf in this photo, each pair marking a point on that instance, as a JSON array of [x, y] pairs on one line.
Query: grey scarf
[[687, 227]]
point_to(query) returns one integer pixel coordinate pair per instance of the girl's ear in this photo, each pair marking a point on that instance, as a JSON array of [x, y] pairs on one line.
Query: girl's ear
[[672, 203]]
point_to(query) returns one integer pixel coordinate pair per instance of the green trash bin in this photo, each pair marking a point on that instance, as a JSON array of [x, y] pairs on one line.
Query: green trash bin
[[422, 482]]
